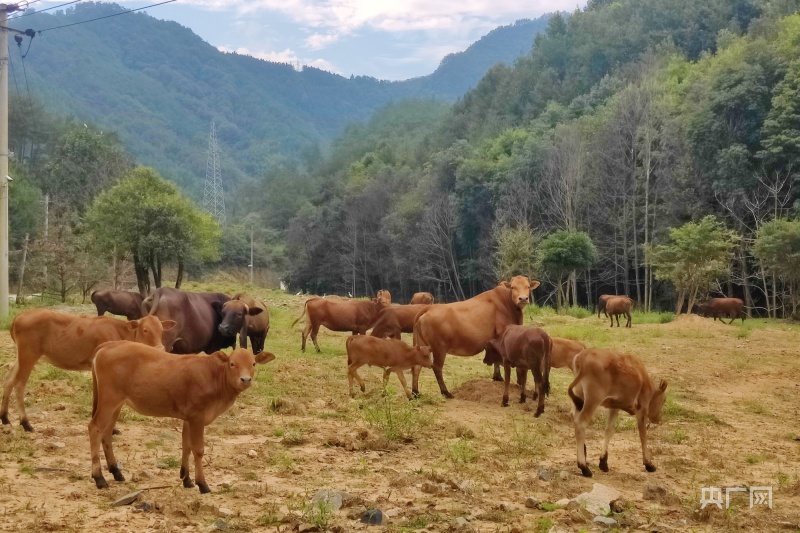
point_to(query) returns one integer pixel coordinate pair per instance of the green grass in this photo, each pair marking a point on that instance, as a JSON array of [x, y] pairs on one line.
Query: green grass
[[674, 411]]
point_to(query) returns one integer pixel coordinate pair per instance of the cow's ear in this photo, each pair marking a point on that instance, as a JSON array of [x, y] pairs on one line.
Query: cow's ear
[[220, 357], [506, 284], [663, 385], [217, 306], [133, 324], [534, 284], [253, 311], [264, 358], [167, 325]]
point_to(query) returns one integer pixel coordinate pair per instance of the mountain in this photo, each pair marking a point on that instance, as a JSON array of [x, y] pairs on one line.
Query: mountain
[[159, 85]]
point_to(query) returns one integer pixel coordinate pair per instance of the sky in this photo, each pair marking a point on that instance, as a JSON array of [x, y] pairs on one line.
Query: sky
[[386, 39]]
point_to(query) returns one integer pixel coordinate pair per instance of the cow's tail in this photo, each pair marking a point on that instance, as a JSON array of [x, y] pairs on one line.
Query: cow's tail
[[418, 337], [94, 387], [575, 399], [548, 350], [11, 329], [347, 347], [304, 314]]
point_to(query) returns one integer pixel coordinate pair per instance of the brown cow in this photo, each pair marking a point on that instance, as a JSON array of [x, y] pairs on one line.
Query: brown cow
[[424, 298], [257, 325], [601, 302], [464, 328], [723, 307], [238, 317], [564, 352], [125, 303], [523, 347], [356, 316], [68, 342], [384, 296], [394, 320], [616, 382], [193, 388], [619, 305], [391, 354]]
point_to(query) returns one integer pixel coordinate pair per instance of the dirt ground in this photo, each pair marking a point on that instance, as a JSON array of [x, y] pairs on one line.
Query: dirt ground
[[731, 420]]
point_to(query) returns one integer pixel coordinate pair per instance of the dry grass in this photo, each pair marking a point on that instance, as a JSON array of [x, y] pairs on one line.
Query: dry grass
[[730, 420]]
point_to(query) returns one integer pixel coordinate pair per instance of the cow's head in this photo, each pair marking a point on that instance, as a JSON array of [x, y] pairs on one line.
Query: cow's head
[[657, 403], [492, 353], [384, 296], [240, 366], [233, 316], [423, 356], [151, 331], [521, 288], [701, 309]]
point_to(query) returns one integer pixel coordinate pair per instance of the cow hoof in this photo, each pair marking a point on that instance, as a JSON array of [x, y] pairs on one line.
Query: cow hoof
[[117, 473], [538, 413], [26, 426], [650, 467], [414, 395], [188, 483], [100, 482], [115, 431], [604, 464], [497, 378], [448, 395], [4, 419], [203, 487], [585, 471], [363, 388], [504, 403], [522, 399]]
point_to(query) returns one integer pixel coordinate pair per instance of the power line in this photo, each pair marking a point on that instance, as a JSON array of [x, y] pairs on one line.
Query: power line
[[14, 73], [25, 72], [106, 16], [43, 10]]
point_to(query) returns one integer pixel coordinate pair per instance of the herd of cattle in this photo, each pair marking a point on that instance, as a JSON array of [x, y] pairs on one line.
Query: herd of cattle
[[129, 367]]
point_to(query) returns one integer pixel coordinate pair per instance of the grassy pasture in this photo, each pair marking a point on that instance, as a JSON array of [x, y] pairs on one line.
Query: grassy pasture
[[730, 421]]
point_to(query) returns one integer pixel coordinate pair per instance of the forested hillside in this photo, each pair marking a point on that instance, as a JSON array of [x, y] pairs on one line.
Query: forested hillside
[[159, 86], [628, 120]]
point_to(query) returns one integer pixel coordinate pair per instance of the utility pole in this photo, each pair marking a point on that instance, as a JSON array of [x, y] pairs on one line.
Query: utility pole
[[5, 9], [22, 270]]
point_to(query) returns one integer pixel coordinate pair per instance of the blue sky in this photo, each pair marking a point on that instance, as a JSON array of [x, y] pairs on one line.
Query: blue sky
[[387, 39]]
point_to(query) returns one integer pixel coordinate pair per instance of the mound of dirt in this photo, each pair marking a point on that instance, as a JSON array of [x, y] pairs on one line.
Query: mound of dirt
[[694, 321], [483, 391]]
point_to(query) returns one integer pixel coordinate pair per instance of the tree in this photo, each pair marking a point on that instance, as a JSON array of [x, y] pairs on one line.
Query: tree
[[563, 253], [698, 254], [515, 252], [146, 215], [778, 246]]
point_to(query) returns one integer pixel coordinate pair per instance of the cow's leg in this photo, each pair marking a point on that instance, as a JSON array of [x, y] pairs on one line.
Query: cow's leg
[[109, 452], [386, 373], [641, 422], [314, 332], [581, 419], [629, 319], [438, 365], [522, 378], [100, 433], [186, 450], [496, 375], [538, 381], [196, 430], [403, 382], [506, 382], [415, 380], [303, 335], [612, 420], [8, 387], [257, 341], [612, 320], [352, 374], [22, 376]]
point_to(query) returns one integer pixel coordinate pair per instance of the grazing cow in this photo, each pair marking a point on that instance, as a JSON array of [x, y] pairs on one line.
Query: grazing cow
[[257, 325], [424, 298], [523, 347], [355, 316], [619, 305], [68, 342], [601, 302], [125, 303], [198, 314], [464, 328], [236, 317], [193, 388], [384, 296], [564, 352], [616, 382], [394, 320], [723, 307], [391, 354]]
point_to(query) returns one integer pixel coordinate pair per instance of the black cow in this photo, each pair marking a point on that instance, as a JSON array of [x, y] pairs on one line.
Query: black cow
[[198, 315], [125, 303]]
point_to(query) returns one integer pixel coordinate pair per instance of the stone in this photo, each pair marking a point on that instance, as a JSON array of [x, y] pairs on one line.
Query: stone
[[373, 517], [461, 524], [393, 513], [619, 505], [563, 502], [224, 511], [505, 507], [335, 500], [226, 485], [605, 520], [544, 474], [466, 486], [252, 453], [652, 491], [563, 475], [127, 499], [219, 525], [531, 502], [431, 488], [355, 513], [598, 500], [143, 507], [58, 445], [308, 528]]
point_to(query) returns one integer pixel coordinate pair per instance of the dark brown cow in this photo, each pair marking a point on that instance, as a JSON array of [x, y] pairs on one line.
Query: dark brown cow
[[601, 302], [235, 314], [424, 298], [464, 328], [124, 303], [68, 342], [258, 324], [732, 308], [356, 316], [619, 305], [525, 348], [198, 315], [384, 296], [193, 388], [390, 354], [394, 320], [616, 382]]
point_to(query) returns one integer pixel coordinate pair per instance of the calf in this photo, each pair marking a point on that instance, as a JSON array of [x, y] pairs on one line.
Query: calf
[[193, 388], [391, 354], [356, 316], [394, 320], [564, 352], [236, 315], [616, 382], [68, 342], [384, 296], [424, 298], [257, 325], [523, 347], [619, 305], [723, 307]]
